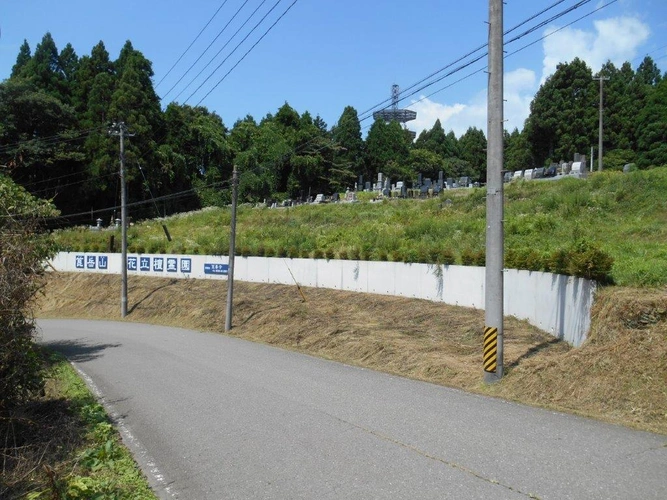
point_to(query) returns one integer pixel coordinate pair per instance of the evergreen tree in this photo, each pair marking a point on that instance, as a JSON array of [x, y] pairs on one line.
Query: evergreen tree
[[387, 151], [648, 72], [22, 59], [517, 151], [652, 128], [563, 114], [349, 154], [44, 71], [29, 116], [472, 146], [88, 69]]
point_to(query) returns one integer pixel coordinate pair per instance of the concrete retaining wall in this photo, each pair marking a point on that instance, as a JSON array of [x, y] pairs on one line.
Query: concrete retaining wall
[[559, 305]]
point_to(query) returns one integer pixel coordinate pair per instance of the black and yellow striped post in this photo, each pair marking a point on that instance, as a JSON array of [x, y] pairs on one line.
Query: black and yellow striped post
[[490, 349]]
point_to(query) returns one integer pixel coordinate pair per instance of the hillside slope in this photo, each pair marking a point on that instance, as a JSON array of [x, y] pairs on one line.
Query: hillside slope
[[623, 216]]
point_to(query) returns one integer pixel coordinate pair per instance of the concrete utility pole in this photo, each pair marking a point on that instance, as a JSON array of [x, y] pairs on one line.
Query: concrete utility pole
[[120, 130], [493, 330], [232, 248], [602, 79]]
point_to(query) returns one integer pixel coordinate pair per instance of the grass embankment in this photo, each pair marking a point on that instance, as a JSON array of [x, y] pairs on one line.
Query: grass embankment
[[63, 446], [624, 215], [619, 375]]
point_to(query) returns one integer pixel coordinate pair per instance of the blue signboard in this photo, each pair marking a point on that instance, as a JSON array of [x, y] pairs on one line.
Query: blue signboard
[[158, 264], [186, 265], [103, 262], [144, 264], [131, 263], [216, 268], [91, 262], [80, 262], [172, 264]]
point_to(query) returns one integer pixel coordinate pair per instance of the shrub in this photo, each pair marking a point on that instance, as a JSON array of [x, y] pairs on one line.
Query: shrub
[[293, 252], [468, 257], [281, 251], [396, 256], [260, 251], [318, 254], [446, 257], [421, 255], [480, 258], [557, 261], [355, 253], [329, 254], [244, 251], [588, 261], [342, 254], [269, 252], [22, 252], [382, 255]]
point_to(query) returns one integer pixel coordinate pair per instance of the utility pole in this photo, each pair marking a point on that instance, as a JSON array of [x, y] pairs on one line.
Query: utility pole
[[232, 248], [602, 80], [120, 130], [493, 330]]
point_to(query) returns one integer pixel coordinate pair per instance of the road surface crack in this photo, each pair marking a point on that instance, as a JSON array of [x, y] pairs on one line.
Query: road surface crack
[[430, 456]]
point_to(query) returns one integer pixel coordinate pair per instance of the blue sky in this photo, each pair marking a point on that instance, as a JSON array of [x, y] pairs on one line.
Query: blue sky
[[326, 54]]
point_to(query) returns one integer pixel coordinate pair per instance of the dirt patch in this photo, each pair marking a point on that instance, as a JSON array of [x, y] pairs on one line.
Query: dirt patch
[[619, 375]]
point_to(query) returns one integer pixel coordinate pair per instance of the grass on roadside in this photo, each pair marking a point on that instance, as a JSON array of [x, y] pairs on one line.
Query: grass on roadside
[[63, 446]]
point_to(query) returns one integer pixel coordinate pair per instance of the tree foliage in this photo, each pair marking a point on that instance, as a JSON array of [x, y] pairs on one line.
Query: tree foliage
[[22, 254], [56, 109]]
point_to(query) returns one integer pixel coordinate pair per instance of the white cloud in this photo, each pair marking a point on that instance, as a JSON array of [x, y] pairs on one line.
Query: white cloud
[[519, 91], [616, 39]]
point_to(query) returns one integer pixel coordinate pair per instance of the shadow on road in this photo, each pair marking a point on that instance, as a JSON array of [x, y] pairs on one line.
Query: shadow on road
[[78, 350]]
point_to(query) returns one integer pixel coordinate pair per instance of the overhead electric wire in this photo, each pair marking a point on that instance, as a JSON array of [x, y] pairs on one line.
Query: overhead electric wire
[[51, 139], [204, 52], [547, 21], [525, 21], [237, 46], [170, 196], [403, 95], [451, 73], [249, 50], [303, 146], [191, 43], [449, 65], [222, 48], [60, 186]]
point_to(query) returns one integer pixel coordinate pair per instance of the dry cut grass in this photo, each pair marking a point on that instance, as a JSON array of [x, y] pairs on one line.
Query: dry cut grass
[[619, 375]]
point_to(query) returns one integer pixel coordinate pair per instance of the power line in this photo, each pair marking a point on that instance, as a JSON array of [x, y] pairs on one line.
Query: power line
[[237, 46], [191, 43], [51, 139], [449, 65], [222, 48], [204, 52], [248, 51], [463, 66]]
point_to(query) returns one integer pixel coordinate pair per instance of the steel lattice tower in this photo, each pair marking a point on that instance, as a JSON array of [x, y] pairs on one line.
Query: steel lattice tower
[[394, 114]]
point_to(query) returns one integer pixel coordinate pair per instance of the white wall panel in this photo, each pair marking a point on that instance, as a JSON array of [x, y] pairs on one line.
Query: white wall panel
[[559, 305]]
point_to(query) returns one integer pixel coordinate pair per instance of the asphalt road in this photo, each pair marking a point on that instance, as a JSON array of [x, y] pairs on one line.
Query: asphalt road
[[214, 417]]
